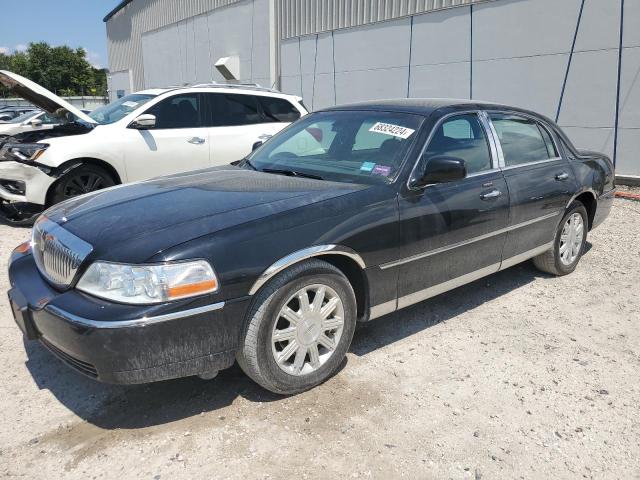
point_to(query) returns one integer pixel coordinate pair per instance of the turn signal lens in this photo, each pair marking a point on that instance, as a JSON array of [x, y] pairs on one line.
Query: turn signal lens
[[192, 289], [23, 248], [147, 284]]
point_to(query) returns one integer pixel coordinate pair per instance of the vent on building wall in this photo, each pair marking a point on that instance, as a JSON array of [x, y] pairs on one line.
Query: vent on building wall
[[229, 67]]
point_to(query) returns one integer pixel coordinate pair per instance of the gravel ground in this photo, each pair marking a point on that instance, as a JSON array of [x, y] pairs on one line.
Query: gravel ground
[[519, 375]]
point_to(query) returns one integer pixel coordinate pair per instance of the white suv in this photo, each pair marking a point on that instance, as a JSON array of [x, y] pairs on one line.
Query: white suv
[[140, 136]]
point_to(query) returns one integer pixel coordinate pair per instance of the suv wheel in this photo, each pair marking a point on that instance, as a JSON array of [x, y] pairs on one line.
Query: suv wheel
[[300, 328], [83, 179]]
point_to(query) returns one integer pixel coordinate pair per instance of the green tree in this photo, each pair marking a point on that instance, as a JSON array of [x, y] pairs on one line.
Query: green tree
[[62, 70]]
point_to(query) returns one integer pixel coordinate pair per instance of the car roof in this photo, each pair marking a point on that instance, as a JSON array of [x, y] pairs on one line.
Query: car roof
[[236, 88], [426, 106]]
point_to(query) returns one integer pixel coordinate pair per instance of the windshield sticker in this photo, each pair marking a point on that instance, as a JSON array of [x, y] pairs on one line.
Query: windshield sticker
[[390, 129], [367, 166], [383, 170], [130, 104]]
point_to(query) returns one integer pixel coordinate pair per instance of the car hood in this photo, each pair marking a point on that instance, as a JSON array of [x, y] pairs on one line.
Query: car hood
[[136, 221], [39, 96], [7, 127], [33, 136]]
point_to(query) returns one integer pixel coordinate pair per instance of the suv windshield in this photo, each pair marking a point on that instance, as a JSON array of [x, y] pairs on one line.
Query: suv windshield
[[343, 146], [120, 108]]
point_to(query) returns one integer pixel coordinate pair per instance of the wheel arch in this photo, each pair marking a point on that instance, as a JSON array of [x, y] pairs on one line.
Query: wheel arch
[[344, 259], [69, 165], [589, 200]]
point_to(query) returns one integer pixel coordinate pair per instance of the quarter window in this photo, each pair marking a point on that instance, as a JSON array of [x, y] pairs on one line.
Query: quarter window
[[551, 148], [179, 111], [278, 110], [523, 140], [462, 137]]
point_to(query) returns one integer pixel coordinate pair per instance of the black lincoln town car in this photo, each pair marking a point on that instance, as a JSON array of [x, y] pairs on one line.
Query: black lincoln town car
[[347, 215]]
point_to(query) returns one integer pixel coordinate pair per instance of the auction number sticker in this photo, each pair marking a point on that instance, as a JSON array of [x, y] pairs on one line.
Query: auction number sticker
[[390, 129]]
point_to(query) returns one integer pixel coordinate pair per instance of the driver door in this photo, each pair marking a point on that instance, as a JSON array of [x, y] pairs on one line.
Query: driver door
[[451, 232], [177, 143]]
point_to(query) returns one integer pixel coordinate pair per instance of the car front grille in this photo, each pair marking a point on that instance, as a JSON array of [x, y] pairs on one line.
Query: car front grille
[[57, 252]]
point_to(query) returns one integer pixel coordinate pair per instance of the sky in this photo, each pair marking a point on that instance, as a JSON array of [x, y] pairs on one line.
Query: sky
[[76, 23]]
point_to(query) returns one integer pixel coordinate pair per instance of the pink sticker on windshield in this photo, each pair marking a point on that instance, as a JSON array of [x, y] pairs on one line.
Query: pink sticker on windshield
[[383, 170]]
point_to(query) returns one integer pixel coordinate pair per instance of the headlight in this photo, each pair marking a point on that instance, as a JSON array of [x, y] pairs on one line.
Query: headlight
[[24, 152], [147, 284]]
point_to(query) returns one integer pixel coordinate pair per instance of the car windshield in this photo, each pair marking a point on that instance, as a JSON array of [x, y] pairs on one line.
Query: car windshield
[[344, 146], [24, 117], [120, 108]]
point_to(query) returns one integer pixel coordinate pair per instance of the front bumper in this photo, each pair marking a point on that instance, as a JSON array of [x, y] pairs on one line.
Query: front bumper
[[125, 344], [37, 182]]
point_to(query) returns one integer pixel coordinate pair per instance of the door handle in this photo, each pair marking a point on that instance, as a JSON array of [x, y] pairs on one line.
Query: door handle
[[196, 140], [490, 195], [562, 176]]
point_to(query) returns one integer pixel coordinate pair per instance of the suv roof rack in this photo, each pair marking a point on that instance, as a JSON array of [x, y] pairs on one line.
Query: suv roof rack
[[244, 86]]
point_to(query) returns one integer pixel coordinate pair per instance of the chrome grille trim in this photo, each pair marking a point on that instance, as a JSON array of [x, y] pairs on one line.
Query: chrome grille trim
[[58, 253]]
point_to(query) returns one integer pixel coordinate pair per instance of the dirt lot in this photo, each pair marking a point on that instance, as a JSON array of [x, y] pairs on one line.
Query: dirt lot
[[519, 375]]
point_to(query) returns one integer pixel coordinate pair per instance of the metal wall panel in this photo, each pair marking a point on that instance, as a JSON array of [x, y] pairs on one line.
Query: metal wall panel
[[304, 17], [125, 29]]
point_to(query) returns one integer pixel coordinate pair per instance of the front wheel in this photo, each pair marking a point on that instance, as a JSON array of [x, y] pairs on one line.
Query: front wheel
[[568, 244], [300, 328], [83, 179]]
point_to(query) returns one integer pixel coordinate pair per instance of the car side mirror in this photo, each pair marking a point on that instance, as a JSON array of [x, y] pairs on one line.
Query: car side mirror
[[440, 169], [257, 145], [35, 123], [144, 122]]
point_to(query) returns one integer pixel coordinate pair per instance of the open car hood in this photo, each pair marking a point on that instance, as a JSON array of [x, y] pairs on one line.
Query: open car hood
[[39, 96]]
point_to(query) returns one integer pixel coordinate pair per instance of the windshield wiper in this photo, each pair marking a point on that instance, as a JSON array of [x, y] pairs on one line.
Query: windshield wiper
[[243, 162], [292, 173]]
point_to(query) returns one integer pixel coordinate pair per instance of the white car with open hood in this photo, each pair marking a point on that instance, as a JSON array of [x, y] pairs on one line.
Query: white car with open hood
[[142, 135]]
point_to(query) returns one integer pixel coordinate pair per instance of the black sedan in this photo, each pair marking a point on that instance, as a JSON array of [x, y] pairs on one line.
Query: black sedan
[[349, 214]]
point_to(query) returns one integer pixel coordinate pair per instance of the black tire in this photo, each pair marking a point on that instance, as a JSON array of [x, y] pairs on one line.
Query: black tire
[[83, 179], [255, 355], [550, 261]]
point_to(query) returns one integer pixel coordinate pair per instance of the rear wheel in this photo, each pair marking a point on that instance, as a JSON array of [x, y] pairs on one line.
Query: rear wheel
[[300, 328], [568, 244], [83, 179]]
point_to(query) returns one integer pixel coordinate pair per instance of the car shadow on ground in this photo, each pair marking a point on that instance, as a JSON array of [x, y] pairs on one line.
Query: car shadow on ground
[[139, 406]]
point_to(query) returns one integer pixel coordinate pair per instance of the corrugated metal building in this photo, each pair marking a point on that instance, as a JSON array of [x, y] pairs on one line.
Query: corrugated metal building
[[577, 61]]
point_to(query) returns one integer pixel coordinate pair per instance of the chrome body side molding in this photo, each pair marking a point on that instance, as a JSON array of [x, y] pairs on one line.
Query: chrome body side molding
[[304, 254], [510, 262], [446, 248], [419, 296], [383, 309], [138, 322]]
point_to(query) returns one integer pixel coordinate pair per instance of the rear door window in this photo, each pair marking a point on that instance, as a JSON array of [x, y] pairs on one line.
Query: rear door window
[[229, 109], [522, 139]]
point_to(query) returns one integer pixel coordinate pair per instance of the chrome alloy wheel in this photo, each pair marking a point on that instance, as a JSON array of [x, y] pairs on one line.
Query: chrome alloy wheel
[[307, 330], [571, 239]]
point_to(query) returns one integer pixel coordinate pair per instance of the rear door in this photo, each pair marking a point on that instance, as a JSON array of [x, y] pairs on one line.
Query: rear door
[[540, 182], [237, 121], [453, 233], [178, 143]]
